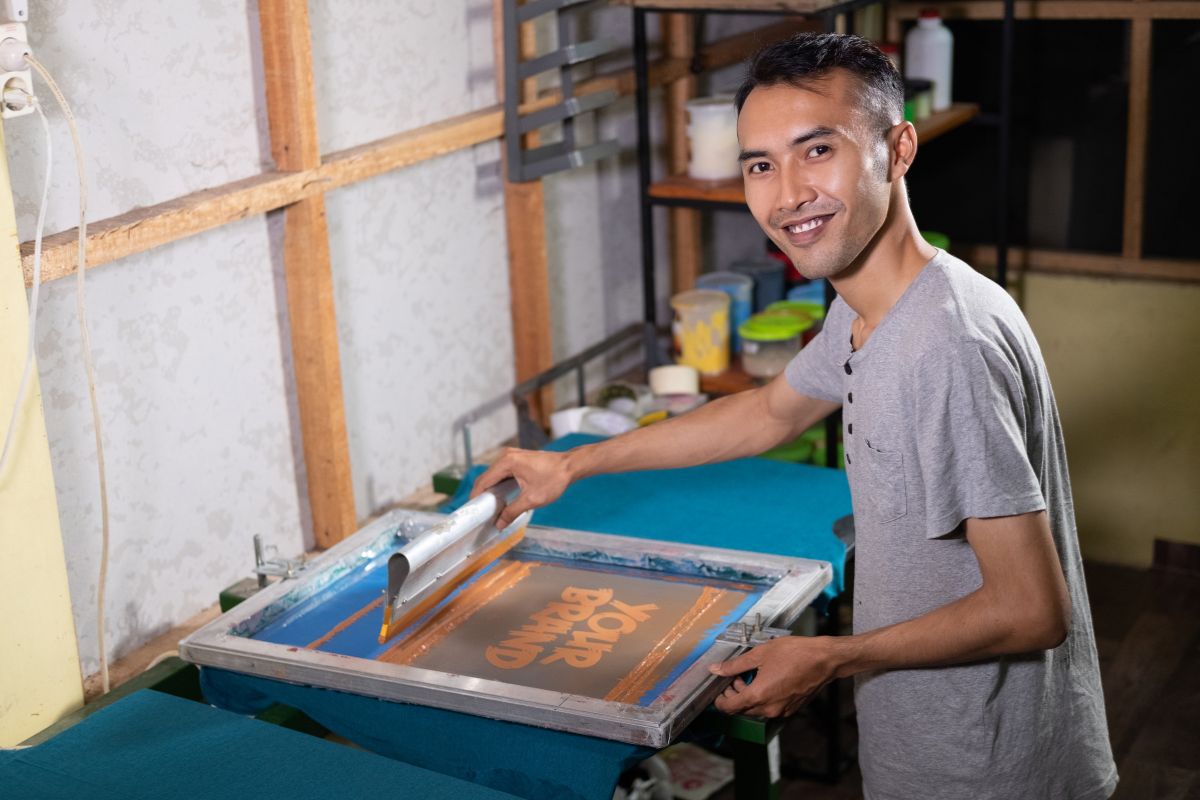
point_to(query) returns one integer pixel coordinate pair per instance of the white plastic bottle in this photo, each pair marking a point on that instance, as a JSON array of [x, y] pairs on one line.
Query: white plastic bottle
[[929, 54]]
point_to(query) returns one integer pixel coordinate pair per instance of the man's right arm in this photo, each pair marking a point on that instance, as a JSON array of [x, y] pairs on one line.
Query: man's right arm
[[739, 425]]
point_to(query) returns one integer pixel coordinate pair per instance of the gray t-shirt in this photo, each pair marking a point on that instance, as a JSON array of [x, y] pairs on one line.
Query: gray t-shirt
[[948, 414]]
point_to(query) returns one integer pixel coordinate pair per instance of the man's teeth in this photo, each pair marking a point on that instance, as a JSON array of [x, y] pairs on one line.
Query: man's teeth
[[807, 226]]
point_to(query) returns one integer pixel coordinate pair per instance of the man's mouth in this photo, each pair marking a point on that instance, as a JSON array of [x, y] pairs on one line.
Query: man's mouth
[[805, 231]]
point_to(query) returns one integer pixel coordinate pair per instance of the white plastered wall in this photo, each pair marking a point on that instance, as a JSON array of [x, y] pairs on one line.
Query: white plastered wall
[[190, 340]]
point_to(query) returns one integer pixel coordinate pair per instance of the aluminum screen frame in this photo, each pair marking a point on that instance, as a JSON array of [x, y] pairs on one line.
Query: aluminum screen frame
[[791, 585]]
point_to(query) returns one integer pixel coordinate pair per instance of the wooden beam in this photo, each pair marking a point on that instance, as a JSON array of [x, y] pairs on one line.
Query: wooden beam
[[683, 224], [1052, 9], [1067, 262], [1135, 140], [152, 226], [291, 112], [525, 228]]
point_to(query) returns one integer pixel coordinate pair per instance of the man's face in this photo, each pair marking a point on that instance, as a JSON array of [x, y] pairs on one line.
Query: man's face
[[815, 171]]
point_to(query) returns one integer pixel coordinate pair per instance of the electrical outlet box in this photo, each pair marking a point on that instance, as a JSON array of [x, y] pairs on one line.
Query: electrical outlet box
[[20, 79], [14, 11]]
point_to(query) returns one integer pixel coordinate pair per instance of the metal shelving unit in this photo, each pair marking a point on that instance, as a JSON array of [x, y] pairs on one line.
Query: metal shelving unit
[[685, 192], [681, 191]]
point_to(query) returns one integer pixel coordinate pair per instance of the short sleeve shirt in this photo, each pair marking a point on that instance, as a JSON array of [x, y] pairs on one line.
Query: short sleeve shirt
[[948, 414]]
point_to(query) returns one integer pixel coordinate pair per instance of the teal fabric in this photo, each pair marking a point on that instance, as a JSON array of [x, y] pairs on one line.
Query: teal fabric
[[751, 504], [152, 745], [533, 763]]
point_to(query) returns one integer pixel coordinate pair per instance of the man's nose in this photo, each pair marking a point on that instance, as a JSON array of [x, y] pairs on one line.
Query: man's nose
[[794, 190]]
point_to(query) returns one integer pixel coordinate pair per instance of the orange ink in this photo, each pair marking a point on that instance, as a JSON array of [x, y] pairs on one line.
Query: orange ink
[[392, 627], [557, 618], [465, 605], [603, 630], [346, 623], [643, 677]]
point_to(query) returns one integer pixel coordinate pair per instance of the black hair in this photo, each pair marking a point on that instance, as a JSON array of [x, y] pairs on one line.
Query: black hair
[[808, 57]]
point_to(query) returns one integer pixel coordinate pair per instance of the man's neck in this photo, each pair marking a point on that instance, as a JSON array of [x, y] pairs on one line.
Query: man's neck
[[885, 268]]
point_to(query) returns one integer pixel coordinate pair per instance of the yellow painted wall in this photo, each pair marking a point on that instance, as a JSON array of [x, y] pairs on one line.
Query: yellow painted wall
[[39, 662], [1124, 360]]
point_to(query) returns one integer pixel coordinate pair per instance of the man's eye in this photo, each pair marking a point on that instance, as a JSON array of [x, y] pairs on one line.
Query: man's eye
[[819, 150], [759, 167]]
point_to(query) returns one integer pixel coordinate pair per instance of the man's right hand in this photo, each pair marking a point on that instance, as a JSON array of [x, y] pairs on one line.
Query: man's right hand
[[542, 475]]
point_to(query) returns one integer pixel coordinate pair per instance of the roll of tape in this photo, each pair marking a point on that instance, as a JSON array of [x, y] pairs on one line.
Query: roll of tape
[[674, 379]]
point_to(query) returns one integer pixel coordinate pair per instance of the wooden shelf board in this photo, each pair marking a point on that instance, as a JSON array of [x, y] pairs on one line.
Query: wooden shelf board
[[941, 122], [681, 187], [780, 6], [731, 381]]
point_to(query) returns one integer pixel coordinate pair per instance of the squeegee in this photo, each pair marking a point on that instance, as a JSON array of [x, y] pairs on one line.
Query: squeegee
[[436, 561]]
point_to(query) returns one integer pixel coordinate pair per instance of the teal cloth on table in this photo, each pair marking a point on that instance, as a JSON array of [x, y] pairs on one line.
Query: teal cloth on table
[[153, 745], [529, 762], [751, 504]]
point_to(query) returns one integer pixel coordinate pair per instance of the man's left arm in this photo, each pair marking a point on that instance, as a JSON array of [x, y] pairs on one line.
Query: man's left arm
[[1022, 606]]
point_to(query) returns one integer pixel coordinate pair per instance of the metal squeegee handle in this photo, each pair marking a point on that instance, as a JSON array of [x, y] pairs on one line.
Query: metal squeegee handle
[[505, 492]]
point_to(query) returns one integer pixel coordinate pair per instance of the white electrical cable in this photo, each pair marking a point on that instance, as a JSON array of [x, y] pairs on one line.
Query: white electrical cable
[[161, 657], [89, 367], [11, 435]]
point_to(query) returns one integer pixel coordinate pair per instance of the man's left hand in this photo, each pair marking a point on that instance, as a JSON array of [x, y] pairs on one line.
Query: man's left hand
[[790, 669]]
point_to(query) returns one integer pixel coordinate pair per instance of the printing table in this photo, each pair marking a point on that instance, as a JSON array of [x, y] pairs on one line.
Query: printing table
[[147, 744], [153, 745], [748, 504]]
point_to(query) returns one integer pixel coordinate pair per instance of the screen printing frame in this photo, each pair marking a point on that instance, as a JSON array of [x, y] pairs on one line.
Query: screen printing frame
[[792, 584]]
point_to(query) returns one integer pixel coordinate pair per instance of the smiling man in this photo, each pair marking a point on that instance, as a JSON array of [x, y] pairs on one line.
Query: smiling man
[[975, 665]]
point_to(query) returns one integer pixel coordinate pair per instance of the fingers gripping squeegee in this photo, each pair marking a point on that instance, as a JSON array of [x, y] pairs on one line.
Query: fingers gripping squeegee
[[435, 562]]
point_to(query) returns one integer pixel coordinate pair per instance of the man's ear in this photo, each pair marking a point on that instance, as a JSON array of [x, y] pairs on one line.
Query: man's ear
[[902, 149]]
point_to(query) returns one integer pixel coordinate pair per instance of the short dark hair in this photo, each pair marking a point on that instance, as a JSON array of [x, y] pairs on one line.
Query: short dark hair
[[806, 57]]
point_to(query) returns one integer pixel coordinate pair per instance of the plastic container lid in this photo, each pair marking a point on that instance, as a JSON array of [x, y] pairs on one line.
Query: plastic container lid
[[760, 328], [712, 280], [814, 311], [700, 298], [757, 266], [930, 13], [914, 86], [939, 240]]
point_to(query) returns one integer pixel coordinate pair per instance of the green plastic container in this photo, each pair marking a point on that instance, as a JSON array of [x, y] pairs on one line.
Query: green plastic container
[[797, 451], [770, 341], [814, 311], [939, 240]]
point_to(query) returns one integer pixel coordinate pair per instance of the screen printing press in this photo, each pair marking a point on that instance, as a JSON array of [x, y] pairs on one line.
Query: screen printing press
[[602, 635], [561, 657]]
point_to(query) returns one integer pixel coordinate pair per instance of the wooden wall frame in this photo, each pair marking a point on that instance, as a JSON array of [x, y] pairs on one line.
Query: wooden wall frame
[[292, 118], [302, 177], [683, 224], [298, 185]]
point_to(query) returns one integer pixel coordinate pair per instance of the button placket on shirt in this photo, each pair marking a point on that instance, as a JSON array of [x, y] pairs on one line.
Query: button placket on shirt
[[845, 415]]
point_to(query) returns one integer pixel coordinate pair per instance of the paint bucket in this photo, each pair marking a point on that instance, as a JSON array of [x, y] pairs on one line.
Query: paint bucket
[[701, 330], [712, 137], [740, 289], [767, 274]]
